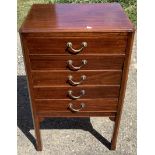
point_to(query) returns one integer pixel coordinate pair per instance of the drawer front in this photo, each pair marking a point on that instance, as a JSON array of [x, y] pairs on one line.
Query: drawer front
[[106, 43], [80, 92], [96, 105], [98, 62], [54, 78], [76, 114]]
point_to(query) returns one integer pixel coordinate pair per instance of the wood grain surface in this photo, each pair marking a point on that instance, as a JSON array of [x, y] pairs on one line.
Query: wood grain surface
[[59, 62], [54, 78], [92, 92], [107, 17], [91, 105], [105, 43]]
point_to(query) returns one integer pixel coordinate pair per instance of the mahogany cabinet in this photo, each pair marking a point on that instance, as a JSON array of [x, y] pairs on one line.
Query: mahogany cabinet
[[77, 60]]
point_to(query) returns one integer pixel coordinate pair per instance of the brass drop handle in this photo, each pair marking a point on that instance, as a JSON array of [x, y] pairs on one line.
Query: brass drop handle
[[75, 68], [73, 83], [74, 51], [70, 94], [82, 105]]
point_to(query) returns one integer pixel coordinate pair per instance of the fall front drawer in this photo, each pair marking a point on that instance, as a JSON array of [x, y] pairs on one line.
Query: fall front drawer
[[110, 43], [54, 78], [82, 62], [84, 92], [82, 105]]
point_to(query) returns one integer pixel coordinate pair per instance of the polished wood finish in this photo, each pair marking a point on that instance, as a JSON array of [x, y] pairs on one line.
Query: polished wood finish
[[46, 78], [36, 120], [91, 105], [78, 114], [44, 37], [82, 18], [107, 43], [60, 62], [71, 34], [122, 90], [62, 92]]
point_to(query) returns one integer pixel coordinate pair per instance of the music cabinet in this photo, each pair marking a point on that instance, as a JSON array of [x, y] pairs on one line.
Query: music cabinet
[[77, 60]]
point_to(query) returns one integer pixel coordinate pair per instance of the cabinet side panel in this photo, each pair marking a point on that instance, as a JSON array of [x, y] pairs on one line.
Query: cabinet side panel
[[123, 87], [28, 75], [125, 71]]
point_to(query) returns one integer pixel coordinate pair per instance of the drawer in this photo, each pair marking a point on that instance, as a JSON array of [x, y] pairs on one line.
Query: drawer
[[54, 78], [78, 106], [61, 62], [105, 43], [81, 92]]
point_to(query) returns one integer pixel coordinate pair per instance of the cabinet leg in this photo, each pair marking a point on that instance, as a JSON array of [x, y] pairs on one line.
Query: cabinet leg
[[115, 133], [37, 134]]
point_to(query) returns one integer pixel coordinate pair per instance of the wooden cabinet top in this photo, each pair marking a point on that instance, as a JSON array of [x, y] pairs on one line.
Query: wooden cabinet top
[[107, 17]]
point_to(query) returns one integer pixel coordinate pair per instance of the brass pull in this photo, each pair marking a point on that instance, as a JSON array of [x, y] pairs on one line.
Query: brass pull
[[82, 105], [75, 97], [74, 51], [73, 83], [71, 67]]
